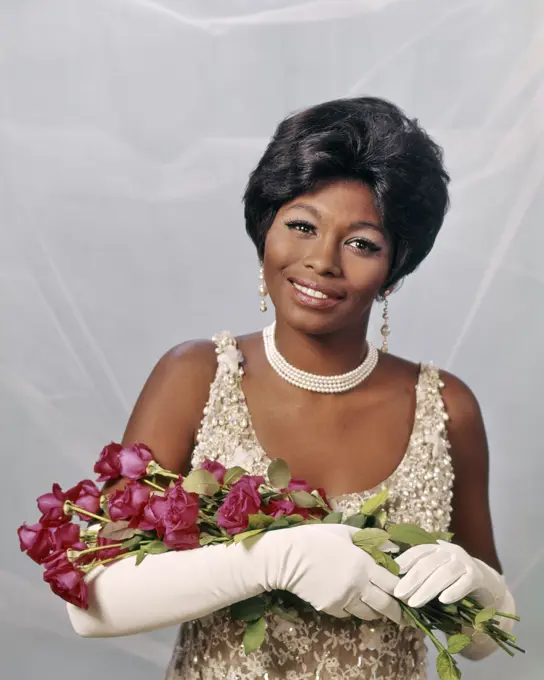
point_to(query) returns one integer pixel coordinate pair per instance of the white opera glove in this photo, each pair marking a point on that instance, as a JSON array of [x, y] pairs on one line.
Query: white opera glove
[[342, 582], [446, 570], [318, 563]]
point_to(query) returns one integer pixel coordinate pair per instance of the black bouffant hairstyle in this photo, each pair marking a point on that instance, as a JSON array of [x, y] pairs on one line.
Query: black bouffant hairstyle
[[366, 139]]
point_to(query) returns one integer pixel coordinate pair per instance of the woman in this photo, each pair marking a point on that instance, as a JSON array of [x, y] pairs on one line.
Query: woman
[[347, 200]]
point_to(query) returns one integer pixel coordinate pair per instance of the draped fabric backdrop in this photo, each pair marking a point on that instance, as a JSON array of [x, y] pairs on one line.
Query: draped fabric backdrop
[[127, 131]]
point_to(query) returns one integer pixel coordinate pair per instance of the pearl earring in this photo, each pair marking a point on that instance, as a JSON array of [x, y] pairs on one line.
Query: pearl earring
[[263, 292], [385, 329]]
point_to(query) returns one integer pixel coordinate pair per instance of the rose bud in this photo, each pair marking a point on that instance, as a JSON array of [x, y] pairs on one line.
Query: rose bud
[[86, 495], [128, 502], [52, 507], [241, 501], [65, 580]]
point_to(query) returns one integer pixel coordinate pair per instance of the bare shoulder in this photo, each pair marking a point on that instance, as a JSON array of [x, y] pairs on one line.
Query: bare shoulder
[[460, 401], [169, 408]]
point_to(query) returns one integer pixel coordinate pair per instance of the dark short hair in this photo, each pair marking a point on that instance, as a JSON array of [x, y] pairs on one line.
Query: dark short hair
[[366, 139]]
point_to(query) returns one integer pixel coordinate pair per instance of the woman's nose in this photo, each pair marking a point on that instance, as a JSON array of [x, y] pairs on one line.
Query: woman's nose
[[323, 258]]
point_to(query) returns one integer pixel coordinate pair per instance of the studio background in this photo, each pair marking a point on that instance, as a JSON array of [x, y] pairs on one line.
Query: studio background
[[127, 131]]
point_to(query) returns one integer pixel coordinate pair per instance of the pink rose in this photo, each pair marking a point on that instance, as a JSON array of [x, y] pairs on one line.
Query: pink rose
[[85, 495], [298, 485], [52, 507], [35, 540], [184, 539], [65, 580], [241, 501], [108, 465], [181, 509], [215, 467], [134, 459], [65, 536], [284, 506], [129, 502], [153, 512]]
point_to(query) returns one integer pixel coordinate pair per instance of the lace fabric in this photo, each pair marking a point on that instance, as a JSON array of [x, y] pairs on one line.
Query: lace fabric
[[317, 646]]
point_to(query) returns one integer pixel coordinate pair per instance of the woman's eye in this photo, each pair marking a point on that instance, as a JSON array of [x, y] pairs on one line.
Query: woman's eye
[[301, 226], [362, 245]]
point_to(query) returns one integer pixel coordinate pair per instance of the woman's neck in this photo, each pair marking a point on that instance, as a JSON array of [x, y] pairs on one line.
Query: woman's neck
[[327, 354]]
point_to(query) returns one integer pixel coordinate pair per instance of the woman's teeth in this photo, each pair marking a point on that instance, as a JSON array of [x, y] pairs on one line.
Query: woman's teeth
[[310, 291]]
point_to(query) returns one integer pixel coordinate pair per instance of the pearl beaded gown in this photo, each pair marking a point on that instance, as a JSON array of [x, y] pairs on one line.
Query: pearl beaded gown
[[317, 646]]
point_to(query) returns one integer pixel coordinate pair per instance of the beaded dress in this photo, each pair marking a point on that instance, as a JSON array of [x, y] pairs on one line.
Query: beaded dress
[[317, 646]]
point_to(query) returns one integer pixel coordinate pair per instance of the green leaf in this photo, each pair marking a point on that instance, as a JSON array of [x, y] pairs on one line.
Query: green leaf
[[304, 499], [446, 667], [333, 518], [233, 474], [117, 531], [254, 635], [280, 522], [484, 615], [140, 557], [155, 548], [294, 519], [201, 482], [132, 542], [380, 518], [370, 538], [411, 534], [206, 539], [238, 538], [458, 642], [260, 521], [442, 535], [384, 560], [374, 503], [357, 521], [248, 610], [278, 473]]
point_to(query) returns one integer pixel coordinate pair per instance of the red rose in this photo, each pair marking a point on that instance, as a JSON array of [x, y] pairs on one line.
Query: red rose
[[65, 536], [241, 501], [108, 465], [183, 539], [181, 509], [134, 459], [85, 495], [284, 506], [35, 540], [129, 502], [65, 580], [52, 507], [152, 514], [215, 467]]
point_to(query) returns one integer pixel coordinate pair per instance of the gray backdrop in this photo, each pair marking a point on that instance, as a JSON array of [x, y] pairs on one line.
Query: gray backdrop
[[127, 130]]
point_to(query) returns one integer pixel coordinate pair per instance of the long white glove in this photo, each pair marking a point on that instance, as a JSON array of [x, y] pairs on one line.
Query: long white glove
[[446, 570], [318, 563]]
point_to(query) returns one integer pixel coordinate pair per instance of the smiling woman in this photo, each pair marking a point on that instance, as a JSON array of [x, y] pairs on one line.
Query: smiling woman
[[347, 200]]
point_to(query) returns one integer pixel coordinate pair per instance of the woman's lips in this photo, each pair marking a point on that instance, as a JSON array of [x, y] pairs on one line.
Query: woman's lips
[[313, 297]]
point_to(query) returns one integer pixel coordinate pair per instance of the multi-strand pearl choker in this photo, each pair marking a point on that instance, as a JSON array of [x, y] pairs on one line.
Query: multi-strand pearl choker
[[311, 381]]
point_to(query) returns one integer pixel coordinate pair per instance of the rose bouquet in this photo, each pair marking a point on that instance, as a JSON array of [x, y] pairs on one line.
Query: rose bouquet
[[158, 510]]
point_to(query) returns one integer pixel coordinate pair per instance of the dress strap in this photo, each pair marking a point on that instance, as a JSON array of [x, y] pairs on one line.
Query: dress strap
[[431, 410]]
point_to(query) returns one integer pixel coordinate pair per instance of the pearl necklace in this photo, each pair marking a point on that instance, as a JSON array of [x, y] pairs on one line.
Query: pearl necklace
[[310, 381]]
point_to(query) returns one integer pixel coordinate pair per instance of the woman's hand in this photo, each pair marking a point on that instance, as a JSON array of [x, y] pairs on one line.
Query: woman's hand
[[446, 570], [320, 564]]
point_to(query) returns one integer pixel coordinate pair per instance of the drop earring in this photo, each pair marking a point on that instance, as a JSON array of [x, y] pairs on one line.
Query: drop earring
[[263, 292], [385, 329]]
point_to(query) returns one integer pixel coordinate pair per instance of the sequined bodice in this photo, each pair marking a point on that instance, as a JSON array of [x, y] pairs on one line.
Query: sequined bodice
[[316, 645]]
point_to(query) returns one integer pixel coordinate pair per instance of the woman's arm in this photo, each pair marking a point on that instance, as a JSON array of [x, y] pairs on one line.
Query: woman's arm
[[471, 566], [471, 516], [180, 586]]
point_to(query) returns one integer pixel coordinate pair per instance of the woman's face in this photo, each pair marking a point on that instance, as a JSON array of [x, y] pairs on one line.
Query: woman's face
[[327, 258]]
